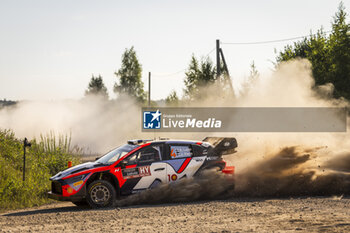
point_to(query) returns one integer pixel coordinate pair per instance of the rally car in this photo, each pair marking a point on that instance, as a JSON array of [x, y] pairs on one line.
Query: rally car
[[137, 166]]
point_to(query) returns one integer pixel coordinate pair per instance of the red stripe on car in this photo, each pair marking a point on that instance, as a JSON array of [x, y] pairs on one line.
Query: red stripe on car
[[184, 165]]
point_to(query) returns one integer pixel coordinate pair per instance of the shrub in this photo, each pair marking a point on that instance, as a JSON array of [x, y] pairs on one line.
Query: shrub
[[44, 158]]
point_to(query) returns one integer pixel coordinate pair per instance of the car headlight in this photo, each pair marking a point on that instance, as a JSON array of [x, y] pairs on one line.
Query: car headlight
[[76, 181]]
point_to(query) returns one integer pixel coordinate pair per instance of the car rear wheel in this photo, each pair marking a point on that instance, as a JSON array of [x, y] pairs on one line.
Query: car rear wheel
[[101, 193]]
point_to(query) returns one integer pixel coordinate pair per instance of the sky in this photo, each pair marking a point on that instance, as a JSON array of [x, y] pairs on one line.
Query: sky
[[50, 49]]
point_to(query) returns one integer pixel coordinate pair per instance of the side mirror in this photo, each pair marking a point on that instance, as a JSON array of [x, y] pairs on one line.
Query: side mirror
[[123, 163], [97, 158]]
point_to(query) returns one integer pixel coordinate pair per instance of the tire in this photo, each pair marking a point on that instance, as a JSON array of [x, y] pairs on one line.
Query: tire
[[101, 194], [81, 203]]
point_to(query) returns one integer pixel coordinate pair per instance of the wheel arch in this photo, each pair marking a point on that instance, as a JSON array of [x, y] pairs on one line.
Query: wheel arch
[[105, 175], [210, 165]]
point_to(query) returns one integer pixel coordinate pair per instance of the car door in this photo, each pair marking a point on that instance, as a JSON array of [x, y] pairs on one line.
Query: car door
[[181, 163], [144, 169]]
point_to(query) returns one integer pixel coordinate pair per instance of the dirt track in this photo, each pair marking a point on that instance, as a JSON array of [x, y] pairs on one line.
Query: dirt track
[[235, 215]]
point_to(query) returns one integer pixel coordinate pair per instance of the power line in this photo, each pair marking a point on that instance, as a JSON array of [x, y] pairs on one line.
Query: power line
[[210, 52], [240, 43], [268, 41], [169, 74]]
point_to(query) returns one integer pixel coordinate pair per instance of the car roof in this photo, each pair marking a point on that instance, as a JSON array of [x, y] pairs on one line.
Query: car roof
[[189, 142]]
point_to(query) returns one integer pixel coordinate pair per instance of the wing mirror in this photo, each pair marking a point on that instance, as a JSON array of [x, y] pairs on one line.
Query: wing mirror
[[123, 163]]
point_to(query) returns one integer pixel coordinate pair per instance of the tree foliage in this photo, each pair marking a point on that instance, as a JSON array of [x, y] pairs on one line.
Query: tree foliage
[[329, 55], [250, 81], [129, 75], [172, 99], [254, 74], [201, 74], [198, 75], [96, 87]]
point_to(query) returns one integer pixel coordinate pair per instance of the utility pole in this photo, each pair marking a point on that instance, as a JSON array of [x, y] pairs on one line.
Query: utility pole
[[149, 89], [220, 55], [224, 61], [218, 70], [227, 75], [24, 159], [25, 144]]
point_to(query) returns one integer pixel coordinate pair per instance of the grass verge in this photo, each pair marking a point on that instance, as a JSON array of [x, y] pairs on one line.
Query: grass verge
[[44, 158]]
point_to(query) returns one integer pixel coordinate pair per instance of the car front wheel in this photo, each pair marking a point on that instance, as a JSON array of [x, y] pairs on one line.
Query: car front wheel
[[101, 193]]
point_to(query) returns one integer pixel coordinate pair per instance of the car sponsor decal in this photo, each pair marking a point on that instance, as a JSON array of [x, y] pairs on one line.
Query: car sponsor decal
[[212, 158], [78, 183], [180, 152], [129, 173]]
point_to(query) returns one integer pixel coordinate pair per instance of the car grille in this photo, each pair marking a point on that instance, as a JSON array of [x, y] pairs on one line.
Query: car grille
[[56, 187]]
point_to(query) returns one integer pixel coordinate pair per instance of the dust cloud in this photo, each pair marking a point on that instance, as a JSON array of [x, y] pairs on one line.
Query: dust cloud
[[292, 164], [272, 164], [288, 173], [209, 185], [292, 171], [93, 123], [267, 164]]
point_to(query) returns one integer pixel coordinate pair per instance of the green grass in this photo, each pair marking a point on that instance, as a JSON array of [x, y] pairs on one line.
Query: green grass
[[44, 158]]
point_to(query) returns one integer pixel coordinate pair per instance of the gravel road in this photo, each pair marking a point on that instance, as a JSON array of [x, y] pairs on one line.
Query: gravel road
[[316, 214]]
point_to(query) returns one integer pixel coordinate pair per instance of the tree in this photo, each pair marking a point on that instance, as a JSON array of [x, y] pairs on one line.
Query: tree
[[96, 87], [129, 75], [254, 74], [249, 82], [172, 98], [198, 75], [329, 55], [339, 46]]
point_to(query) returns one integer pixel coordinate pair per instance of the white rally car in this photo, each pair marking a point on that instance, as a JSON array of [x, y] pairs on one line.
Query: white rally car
[[139, 165]]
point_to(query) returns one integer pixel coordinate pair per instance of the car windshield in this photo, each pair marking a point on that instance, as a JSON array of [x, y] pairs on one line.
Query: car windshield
[[116, 154]]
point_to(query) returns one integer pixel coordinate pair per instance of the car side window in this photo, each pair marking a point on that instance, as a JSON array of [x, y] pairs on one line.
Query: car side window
[[199, 151], [146, 155], [150, 154], [180, 151], [132, 159]]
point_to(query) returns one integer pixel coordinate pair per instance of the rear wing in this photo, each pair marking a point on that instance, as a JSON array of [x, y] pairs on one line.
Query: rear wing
[[222, 146]]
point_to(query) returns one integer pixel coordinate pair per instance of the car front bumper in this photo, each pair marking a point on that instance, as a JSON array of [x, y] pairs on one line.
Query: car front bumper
[[59, 197]]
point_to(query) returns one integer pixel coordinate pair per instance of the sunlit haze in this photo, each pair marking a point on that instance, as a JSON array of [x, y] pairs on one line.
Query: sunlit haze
[[50, 49]]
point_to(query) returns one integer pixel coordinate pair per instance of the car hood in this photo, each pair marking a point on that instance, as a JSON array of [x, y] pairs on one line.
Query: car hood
[[76, 169]]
